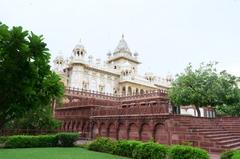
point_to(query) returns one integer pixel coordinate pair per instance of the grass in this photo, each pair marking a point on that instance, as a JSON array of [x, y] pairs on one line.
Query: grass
[[54, 153]]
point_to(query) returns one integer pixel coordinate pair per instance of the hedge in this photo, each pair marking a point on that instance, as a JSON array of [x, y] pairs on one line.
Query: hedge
[[22, 141], [187, 152], [3, 139], [236, 155], [150, 150], [66, 139], [125, 147], [26, 141], [102, 145], [227, 154]]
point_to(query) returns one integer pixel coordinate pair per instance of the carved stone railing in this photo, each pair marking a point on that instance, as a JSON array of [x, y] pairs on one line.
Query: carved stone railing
[[153, 93], [109, 96], [91, 93], [137, 110]]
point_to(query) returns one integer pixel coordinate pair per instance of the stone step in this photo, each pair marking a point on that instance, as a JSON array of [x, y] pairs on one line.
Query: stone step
[[219, 135], [224, 138], [236, 148], [201, 127], [232, 145], [213, 132], [230, 141], [208, 129], [229, 124]]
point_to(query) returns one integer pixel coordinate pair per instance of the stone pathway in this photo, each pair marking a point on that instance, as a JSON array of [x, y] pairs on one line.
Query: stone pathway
[[215, 156]]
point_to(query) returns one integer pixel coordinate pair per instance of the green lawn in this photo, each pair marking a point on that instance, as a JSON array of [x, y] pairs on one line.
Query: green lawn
[[54, 153]]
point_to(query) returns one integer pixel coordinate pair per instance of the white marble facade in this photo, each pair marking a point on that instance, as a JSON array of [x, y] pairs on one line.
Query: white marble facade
[[117, 75]]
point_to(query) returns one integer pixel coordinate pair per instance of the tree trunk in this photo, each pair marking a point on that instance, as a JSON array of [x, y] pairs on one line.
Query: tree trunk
[[198, 111]]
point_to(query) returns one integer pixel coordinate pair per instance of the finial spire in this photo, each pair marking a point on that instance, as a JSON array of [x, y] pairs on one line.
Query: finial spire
[[122, 36]]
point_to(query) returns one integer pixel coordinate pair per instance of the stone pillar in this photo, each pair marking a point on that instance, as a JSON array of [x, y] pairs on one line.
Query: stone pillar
[[126, 90]]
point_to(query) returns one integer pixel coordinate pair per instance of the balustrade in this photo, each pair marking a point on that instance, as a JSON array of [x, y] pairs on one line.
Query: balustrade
[[149, 109], [102, 95]]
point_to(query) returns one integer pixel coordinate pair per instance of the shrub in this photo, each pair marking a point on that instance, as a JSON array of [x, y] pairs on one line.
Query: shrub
[[3, 139], [125, 147], [227, 154], [45, 141], [236, 155], [187, 152], [150, 150], [66, 139], [102, 145], [21, 141], [159, 152]]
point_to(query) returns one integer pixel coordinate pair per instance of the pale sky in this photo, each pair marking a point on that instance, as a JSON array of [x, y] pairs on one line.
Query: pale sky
[[167, 34]]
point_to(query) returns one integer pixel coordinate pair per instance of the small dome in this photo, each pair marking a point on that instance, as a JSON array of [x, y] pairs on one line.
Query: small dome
[[59, 59], [79, 45], [122, 46]]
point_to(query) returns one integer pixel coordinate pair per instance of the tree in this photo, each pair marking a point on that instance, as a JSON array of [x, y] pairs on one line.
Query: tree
[[37, 119], [204, 87], [26, 81]]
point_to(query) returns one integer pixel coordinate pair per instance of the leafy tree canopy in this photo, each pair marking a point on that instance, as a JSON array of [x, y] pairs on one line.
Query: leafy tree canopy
[[26, 80], [204, 87]]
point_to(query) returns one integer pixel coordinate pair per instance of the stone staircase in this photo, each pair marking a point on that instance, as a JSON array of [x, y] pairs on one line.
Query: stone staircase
[[210, 134]]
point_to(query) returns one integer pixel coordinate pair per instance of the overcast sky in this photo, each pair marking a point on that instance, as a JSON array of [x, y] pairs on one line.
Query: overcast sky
[[167, 34]]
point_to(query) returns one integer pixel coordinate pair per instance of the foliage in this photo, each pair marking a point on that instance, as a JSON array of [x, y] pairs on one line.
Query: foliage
[[102, 145], [84, 146], [54, 153], [236, 155], [39, 119], [22, 141], [204, 87], [28, 82], [187, 152], [150, 150], [66, 139], [229, 110], [227, 154], [3, 139], [125, 147], [27, 141]]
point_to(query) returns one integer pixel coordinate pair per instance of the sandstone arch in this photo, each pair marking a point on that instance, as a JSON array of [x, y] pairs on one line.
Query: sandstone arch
[[95, 131], [121, 131], [133, 132], [73, 126], [103, 130], [160, 134], [145, 132], [78, 126], [83, 127], [63, 126], [111, 131]]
